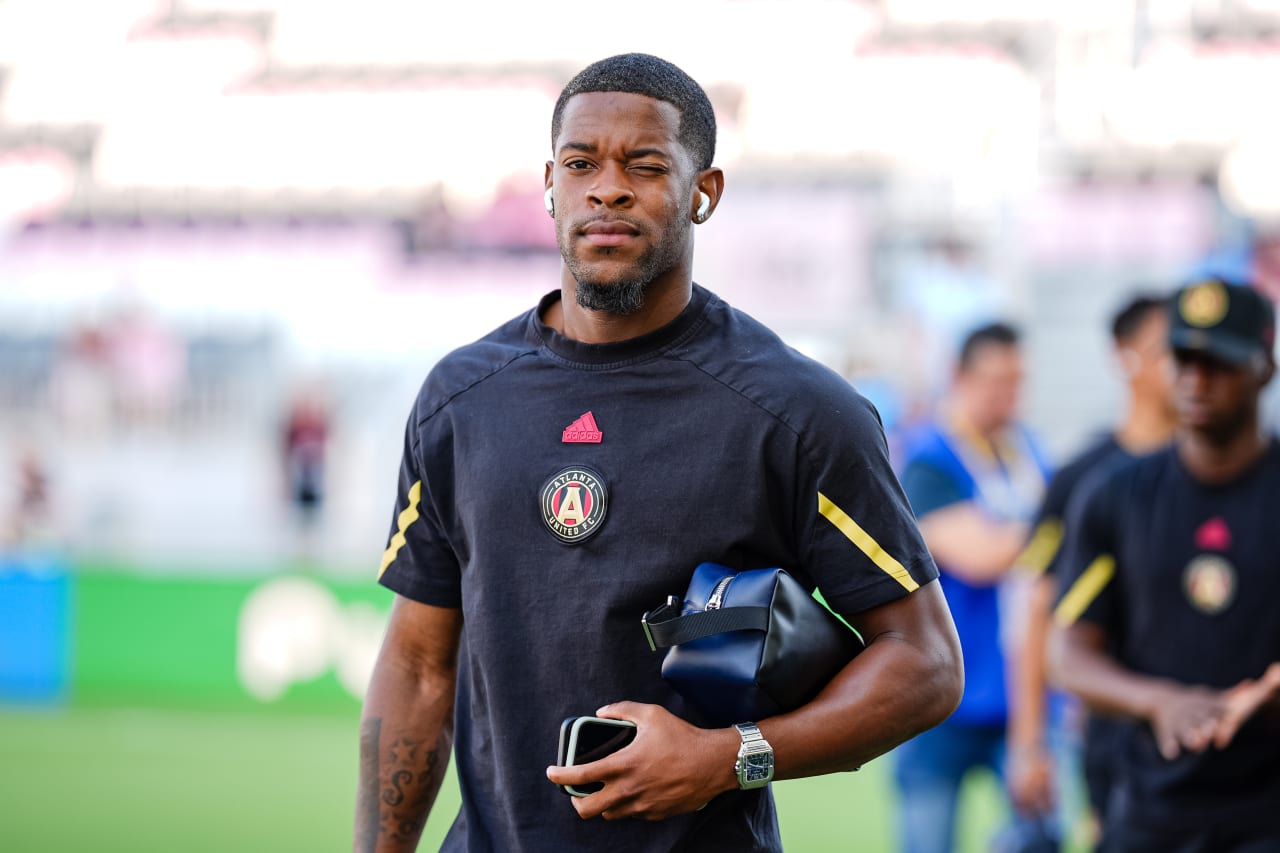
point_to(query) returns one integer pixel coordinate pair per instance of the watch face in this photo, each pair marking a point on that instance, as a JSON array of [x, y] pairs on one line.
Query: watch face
[[758, 768]]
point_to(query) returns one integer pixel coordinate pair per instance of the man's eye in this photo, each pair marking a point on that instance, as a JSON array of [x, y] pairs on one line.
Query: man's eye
[[577, 164], [650, 169]]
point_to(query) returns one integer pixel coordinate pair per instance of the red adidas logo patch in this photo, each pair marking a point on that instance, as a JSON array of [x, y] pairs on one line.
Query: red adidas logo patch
[[583, 431], [1213, 535]]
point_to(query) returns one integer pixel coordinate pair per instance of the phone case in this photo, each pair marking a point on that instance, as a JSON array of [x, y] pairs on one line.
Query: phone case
[[566, 752]]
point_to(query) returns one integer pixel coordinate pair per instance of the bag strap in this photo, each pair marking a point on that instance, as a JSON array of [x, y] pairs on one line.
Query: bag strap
[[665, 627]]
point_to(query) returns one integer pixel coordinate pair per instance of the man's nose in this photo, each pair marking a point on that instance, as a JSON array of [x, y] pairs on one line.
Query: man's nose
[[610, 188]]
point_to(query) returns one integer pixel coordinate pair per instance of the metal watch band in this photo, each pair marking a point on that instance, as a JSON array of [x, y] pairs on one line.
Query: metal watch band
[[745, 767]]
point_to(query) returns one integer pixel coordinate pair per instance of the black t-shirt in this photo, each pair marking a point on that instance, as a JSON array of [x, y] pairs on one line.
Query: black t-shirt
[[556, 490], [1045, 546], [1185, 579]]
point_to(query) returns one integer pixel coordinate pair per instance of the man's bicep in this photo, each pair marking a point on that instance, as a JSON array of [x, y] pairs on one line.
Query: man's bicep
[[422, 638], [922, 619], [912, 644]]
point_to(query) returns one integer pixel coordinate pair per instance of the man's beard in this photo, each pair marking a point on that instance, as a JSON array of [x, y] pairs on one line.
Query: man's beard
[[623, 296]]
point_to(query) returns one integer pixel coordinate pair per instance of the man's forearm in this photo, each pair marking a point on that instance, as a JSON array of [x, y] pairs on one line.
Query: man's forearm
[[406, 733], [1027, 711], [906, 681], [974, 548], [1079, 665]]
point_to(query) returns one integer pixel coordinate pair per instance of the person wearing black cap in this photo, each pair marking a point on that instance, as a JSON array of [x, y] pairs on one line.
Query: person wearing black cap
[[1168, 619]]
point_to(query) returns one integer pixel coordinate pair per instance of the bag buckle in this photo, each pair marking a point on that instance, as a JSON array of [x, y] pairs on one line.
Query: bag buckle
[[659, 614]]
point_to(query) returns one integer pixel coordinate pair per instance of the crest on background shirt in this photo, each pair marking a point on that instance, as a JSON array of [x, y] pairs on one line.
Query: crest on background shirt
[[1204, 304], [574, 504], [1209, 582]]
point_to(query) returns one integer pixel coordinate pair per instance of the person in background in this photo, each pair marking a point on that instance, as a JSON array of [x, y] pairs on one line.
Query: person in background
[[303, 447], [1167, 620], [975, 478], [1139, 334]]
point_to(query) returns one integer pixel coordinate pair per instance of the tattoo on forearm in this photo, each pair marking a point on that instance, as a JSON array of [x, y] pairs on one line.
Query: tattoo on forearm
[[410, 780], [367, 796], [396, 797]]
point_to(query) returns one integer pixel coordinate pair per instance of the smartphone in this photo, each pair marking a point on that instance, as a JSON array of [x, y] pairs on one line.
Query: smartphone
[[587, 739]]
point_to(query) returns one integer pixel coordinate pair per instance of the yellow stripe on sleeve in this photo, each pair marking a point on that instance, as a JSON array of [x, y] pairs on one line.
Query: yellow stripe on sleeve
[[1085, 590], [867, 545], [407, 517], [1042, 548]]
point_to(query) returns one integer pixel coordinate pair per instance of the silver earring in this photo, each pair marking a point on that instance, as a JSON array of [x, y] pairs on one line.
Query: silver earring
[[704, 207], [549, 203]]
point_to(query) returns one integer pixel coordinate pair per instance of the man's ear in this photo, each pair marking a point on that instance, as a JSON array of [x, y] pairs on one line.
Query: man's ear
[[710, 182], [546, 175], [1267, 373], [1129, 361]]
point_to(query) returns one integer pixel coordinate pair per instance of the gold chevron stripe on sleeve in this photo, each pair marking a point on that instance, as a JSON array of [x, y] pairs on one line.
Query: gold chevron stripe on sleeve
[[1042, 548], [865, 543], [1085, 590], [407, 517]]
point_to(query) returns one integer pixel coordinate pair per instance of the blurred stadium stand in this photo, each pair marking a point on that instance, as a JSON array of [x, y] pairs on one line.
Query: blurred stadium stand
[[294, 191]]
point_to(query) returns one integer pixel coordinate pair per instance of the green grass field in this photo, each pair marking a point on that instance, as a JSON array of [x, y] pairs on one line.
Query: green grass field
[[97, 780]]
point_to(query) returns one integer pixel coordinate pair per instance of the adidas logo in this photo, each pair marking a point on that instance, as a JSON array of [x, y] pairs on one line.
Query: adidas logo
[[583, 431]]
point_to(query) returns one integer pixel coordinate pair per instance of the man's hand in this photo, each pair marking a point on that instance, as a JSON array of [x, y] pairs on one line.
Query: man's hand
[[1243, 701], [1030, 780], [1186, 718], [670, 768], [1192, 718]]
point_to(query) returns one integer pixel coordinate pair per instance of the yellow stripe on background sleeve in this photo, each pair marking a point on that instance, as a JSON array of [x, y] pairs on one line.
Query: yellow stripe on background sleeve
[[867, 545], [407, 517], [1085, 590], [1042, 548]]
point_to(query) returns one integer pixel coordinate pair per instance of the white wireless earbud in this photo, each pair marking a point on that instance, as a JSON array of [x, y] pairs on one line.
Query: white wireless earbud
[[548, 202], [704, 207]]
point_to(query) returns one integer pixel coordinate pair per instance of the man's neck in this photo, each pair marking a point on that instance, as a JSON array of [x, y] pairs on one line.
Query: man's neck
[[662, 304], [1148, 426], [1212, 459], [966, 424]]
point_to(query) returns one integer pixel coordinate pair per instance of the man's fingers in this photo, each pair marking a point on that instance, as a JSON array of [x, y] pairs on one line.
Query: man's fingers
[[622, 711], [580, 774], [1242, 702], [1169, 746]]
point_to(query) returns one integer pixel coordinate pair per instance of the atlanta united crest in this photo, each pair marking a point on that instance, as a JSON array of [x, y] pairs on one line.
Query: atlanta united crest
[[1209, 582], [574, 503]]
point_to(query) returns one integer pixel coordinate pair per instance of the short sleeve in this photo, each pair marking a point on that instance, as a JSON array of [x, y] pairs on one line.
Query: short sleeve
[[863, 548], [1087, 564], [418, 562], [1044, 548]]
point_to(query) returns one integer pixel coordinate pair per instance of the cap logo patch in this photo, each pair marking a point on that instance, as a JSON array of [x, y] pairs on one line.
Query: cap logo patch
[[574, 504], [1203, 304], [1209, 583]]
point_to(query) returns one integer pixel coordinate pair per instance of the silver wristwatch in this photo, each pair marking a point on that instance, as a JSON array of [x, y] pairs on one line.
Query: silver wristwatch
[[754, 767]]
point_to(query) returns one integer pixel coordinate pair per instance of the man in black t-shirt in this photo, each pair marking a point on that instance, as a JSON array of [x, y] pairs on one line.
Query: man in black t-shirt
[[568, 471], [1139, 334], [1168, 616]]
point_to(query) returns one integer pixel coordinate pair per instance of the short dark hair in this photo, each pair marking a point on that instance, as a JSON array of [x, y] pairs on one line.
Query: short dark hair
[[992, 334], [642, 74], [1129, 319]]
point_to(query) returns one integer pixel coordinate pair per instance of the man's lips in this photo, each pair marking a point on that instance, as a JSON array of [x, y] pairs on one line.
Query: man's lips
[[609, 232]]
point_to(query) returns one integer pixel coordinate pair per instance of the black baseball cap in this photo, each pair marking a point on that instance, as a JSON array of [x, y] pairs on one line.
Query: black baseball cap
[[1233, 322]]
